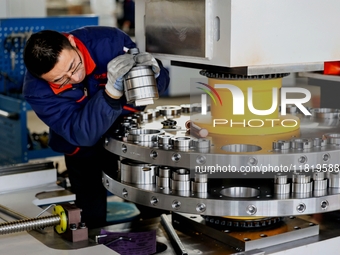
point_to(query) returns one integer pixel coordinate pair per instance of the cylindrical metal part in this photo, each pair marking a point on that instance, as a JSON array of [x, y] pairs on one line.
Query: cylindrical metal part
[[169, 110], [300, 178], [136, 172], [181, 175], [201, 143], [280, 184], [140, 86], [202, 178], [320, 185], [144, 135], [155, 112], [281, 145], [318, 176], [199, 187], [164, 139], [320, 193], [164, 172], [146, 115], [282, 188], [180, 185], [163, 182], [29, 224], [280, 179], [334, 180], [302, 187], [197, 131], [181, 142], [185, 108]]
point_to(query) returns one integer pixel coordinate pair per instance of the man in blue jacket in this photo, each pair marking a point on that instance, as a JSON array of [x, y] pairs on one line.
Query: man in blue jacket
[[74, 84]]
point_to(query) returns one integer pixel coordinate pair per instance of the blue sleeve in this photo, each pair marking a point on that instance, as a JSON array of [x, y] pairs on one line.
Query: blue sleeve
[[79, 124], [163, 79]]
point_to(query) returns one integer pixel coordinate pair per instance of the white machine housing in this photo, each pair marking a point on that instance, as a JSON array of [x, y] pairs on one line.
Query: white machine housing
[[250, 36]]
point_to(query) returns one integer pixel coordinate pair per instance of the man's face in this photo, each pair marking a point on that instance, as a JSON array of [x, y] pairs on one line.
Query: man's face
[[69, 69]]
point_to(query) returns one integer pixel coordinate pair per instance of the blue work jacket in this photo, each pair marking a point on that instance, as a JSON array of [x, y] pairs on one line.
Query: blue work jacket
[[78, 115]]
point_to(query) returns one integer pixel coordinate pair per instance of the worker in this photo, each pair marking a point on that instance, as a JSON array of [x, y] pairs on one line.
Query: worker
[[74, 84]]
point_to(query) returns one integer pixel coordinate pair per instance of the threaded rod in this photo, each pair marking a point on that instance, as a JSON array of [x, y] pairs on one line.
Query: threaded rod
[[29, 224]]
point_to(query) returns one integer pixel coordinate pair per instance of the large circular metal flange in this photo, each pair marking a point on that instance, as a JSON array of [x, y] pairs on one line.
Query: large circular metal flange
[[286, 160], [216, 204], [313, 150], [317, 147]]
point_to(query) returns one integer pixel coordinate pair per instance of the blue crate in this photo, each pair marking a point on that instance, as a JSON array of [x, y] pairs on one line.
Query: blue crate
[[14, 134]]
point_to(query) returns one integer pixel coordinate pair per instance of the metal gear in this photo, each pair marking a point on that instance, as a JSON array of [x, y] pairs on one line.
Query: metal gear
[[222, 223]]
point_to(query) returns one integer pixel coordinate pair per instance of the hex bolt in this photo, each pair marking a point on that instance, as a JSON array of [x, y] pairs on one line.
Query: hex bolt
[[73, 226], [153, 154], [200, 208], [176, 157], [125, 193], [124, 148], [324, 204], [326, 157], [302, 159], [154, 200], [253, 161], [176, 204], [201, 159], [251, 209]]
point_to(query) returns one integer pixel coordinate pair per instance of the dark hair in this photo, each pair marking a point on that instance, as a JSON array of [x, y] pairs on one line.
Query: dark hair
[[42, 51]]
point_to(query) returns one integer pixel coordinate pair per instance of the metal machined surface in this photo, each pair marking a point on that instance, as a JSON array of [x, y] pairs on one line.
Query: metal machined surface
[[306, 179], [140, 85], [236, 36], [317, 145], [290, 229]]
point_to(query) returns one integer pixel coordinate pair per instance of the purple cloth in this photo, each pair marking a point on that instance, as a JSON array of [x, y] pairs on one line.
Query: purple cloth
[[140, 243]]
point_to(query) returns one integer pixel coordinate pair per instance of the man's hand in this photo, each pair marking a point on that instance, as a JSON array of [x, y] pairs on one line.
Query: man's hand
[[146, 59], [116, 69]]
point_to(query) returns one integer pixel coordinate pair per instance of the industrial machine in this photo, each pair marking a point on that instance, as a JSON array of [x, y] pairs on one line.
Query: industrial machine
[[258, 177], [252, 171]]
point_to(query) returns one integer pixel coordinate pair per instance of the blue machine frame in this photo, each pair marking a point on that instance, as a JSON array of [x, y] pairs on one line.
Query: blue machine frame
[[13, 109]]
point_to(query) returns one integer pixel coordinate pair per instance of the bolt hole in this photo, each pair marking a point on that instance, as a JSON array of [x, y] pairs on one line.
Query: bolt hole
[[301, 208], [253, 161], [324, 204], [200, 207], [153, 154], [251, 209], [124, 148], [176, 157], [302, 160], [176, 204], [326, 157], [154, 201], [125, 193], [201, 160]]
